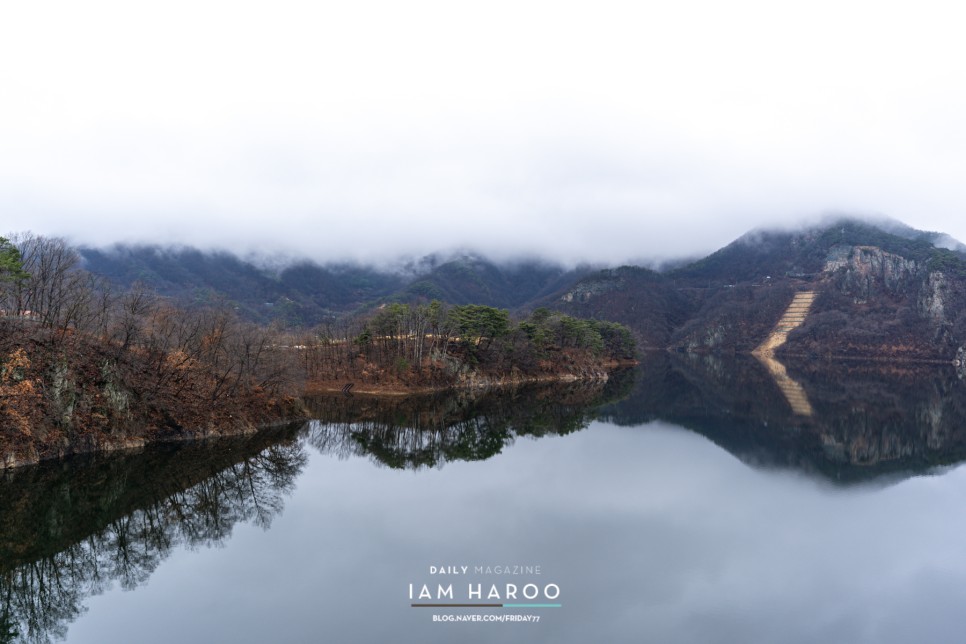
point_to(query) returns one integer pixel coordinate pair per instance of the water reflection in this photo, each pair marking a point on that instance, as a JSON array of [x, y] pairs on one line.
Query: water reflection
[[863, 420], [428, 431], [70, 530], [792, 390]]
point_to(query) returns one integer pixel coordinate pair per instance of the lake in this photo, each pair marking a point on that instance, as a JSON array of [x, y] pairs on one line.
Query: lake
[[694, 499]]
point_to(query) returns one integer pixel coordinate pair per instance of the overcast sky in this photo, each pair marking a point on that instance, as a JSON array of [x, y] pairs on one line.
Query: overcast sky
[[601, 131]]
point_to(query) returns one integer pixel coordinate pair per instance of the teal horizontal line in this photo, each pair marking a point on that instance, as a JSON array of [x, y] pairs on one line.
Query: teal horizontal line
[[531, 605]]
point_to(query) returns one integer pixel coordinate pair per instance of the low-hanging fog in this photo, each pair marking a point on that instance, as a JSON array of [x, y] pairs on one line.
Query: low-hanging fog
[[604, 133]]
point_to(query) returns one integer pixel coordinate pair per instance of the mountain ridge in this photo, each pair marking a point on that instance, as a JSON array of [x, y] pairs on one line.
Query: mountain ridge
[[882, 287]]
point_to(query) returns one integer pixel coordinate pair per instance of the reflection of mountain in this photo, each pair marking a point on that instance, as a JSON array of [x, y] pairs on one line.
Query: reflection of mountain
[[866, 419], [428, 431], [857, 426], [793, 391], [71, 529]]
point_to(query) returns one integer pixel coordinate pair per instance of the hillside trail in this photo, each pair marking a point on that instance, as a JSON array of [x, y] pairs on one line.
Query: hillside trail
[[793, 318]]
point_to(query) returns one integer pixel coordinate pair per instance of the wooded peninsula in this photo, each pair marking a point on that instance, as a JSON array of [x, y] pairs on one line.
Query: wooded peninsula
[[85, 366], [111, 348]]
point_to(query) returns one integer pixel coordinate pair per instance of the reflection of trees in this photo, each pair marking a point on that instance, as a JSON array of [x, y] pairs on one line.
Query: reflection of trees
[[428, 431], [71, 531], [868, 418], [909, 416], [408, 447]]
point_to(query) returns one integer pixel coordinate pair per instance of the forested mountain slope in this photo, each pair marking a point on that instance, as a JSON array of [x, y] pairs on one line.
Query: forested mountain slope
[[305, 293], [882, 289]]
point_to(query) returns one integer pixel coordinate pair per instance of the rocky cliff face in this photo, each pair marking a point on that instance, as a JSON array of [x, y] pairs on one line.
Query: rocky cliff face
[[933, 296], [67, 394], [866, 270], [871, 302], [586, 289], [880, 279]]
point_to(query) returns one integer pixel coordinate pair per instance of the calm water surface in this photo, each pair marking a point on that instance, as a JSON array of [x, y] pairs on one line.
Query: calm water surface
[[687, 502]]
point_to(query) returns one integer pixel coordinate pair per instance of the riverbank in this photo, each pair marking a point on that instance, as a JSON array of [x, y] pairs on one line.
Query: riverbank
[[64, 394], [468, 380], [174, 375]]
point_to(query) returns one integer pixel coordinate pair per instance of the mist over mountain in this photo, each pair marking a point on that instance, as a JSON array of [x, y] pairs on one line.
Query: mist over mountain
[[881, 288], [304, 293]]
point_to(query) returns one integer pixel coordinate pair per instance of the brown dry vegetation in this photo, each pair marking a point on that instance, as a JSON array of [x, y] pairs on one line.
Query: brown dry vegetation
[[84, 369], [405, 348], [68, 392]]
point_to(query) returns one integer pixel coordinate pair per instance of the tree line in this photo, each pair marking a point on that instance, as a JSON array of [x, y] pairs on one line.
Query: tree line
[[429, 343], [83, 364], [87, 354], [43, 284]]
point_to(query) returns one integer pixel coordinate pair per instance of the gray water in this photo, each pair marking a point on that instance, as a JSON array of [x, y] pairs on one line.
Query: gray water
[[664, 507]]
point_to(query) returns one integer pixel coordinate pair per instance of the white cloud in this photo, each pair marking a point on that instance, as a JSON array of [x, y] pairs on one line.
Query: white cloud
[[612, 132]]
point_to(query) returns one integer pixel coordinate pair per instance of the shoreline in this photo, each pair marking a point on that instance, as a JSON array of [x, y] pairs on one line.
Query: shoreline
[[113, 444], [322, 387]]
